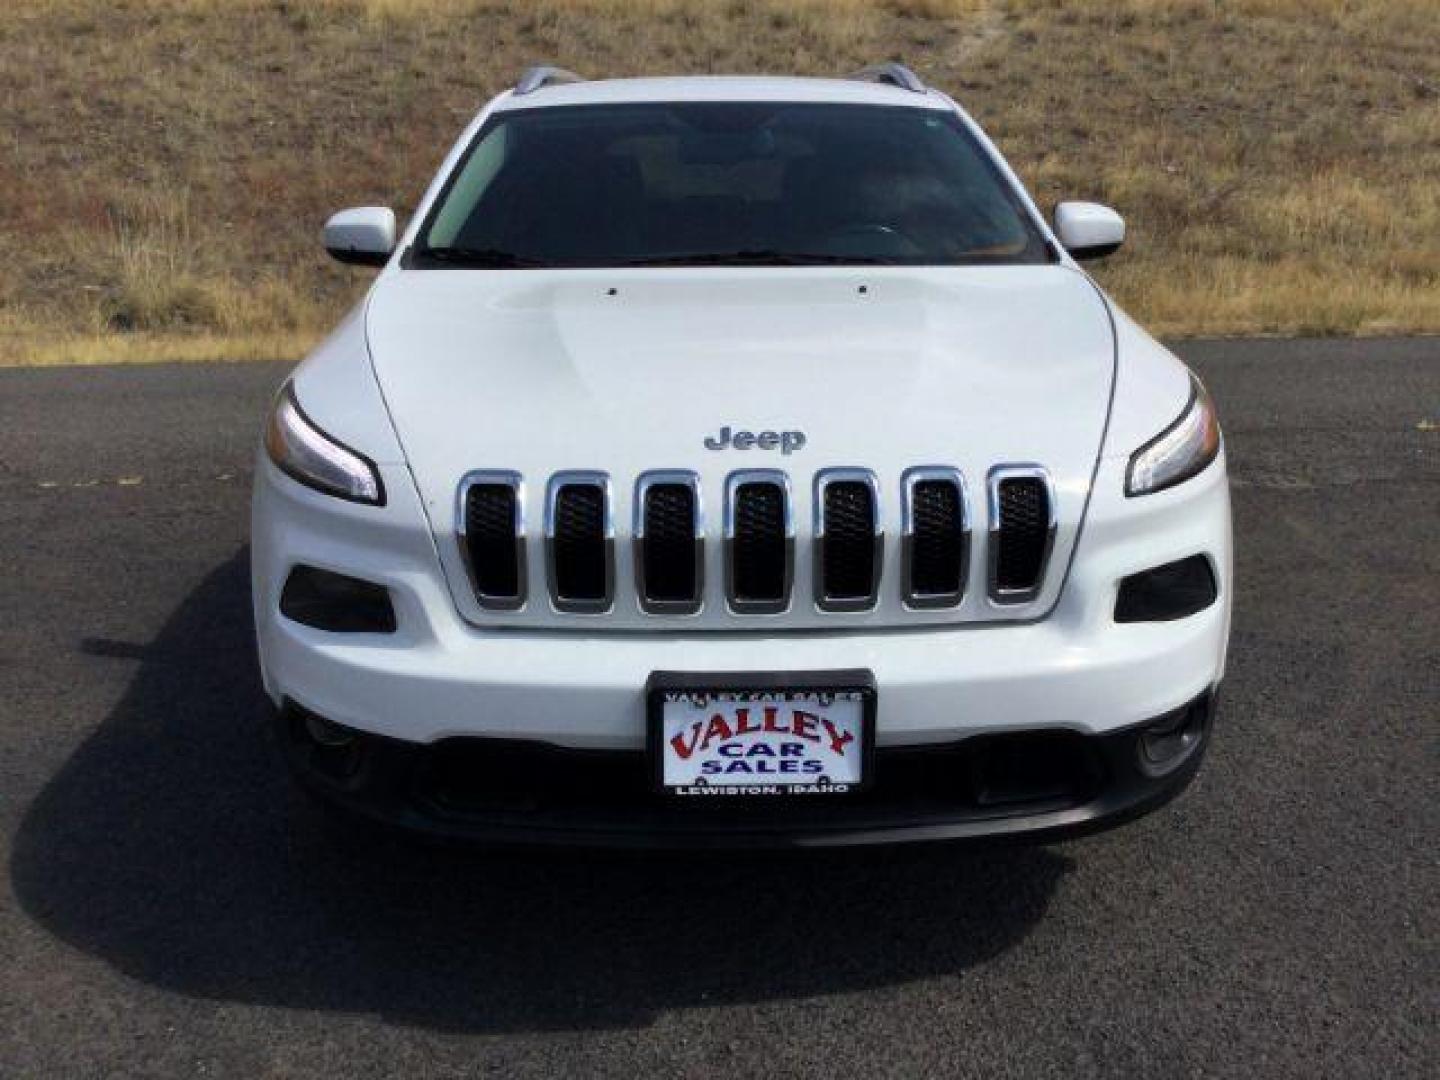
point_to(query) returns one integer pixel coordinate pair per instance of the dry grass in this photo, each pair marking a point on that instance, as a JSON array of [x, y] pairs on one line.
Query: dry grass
[[166, 164]]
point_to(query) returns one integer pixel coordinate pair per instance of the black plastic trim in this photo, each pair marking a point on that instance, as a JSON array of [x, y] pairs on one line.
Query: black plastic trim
[[352, 257], [1095, 251], [337, 603], [380, 789], [1149, 597]]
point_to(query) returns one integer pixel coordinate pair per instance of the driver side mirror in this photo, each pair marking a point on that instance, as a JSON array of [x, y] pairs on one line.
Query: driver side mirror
[[363, 236], [1089, 230]]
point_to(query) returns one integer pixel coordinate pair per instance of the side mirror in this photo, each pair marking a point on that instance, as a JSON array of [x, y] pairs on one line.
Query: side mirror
[[364, 236], [1089, 230]]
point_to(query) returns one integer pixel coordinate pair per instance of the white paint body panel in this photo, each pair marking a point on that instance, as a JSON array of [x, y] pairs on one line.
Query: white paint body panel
[[441, 372], [439, 676], [539, 372], [366, 230], [1084, 226]]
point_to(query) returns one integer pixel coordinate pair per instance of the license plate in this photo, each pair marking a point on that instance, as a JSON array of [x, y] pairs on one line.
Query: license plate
[[761, 735]]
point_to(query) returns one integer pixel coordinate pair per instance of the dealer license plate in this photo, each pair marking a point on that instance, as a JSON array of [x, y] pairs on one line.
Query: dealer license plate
[[717, 736]]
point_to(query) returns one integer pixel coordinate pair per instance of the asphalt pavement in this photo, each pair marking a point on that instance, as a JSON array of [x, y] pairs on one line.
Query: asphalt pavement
[[171, 906]]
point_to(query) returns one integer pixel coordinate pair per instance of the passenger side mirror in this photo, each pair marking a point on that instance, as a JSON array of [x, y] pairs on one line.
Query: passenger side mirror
[[363, 236], [1089, 230]]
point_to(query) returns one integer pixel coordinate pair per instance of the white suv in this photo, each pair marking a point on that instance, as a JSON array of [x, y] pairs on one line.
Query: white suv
[[739, 461]]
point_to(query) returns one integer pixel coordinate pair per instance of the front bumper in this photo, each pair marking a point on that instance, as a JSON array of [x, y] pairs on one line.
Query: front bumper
[[437, 677], [1035, 785], [444, 715]]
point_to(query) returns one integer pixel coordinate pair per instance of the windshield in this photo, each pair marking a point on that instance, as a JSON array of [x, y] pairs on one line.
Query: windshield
[[726, 184]]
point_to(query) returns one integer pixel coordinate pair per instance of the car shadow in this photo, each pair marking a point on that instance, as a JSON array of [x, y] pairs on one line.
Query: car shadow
[[173, 846]]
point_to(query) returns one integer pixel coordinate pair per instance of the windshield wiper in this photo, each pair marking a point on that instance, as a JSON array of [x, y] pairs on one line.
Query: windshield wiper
[[497, 259], [760, 257], [487, 258]]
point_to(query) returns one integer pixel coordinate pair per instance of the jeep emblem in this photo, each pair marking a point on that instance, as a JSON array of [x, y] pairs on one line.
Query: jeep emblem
[[787, 442]]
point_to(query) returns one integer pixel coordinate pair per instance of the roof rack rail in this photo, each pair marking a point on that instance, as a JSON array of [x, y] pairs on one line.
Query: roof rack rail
[[892, 74], [542, 75]]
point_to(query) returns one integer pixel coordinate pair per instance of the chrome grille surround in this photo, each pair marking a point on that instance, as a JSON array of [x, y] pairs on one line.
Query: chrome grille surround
[[909, 481], [1012, 534], [824, 599], [580, 605], [748, 605], [516, 483], [997, 476], [643, 486]]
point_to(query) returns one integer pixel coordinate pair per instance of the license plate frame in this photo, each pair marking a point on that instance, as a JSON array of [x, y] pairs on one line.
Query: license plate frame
[[790, 685]]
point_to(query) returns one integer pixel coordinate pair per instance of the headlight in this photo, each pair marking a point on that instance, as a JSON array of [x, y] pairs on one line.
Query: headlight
[[1178, 452], [305, 452]]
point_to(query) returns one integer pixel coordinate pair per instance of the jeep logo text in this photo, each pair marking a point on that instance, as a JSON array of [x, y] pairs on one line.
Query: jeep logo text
[[787, 442]]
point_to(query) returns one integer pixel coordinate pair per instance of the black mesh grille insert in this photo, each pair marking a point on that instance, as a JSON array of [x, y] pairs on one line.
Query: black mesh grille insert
[[848, 558], [1024, 533], [669, 553], [581, 560], [490, 528], [937, 550], [758, 554]]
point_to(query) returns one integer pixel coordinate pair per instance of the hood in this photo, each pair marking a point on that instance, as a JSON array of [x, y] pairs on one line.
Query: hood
[[631, 370]]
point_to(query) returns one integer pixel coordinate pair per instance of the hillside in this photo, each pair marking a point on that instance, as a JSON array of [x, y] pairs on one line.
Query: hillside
[[168, 163]]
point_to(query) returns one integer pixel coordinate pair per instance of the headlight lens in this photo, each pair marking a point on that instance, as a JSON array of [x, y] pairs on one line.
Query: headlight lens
[[1178, 452], [310, 456]]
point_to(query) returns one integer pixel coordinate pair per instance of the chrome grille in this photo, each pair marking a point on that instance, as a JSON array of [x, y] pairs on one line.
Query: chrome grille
[[849, 539], [492, 537], [669, 543], [759, 542], [579, 541], [1022, 531], [935, 535]]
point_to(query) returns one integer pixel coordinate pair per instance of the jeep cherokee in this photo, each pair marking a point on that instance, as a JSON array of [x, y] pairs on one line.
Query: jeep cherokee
[[739, 461]]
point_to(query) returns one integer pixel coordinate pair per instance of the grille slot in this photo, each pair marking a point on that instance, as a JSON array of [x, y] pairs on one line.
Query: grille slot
[[1022, 526], [936, 537], [493, 539], [669, 543], [580, 539], [759, 541], [848, 538]]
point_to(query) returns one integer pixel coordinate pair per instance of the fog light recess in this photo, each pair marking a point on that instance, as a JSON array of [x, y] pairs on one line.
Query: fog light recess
[[337, 603], [327, 749], [327, 733], [1167, 743], [1168, 592]]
